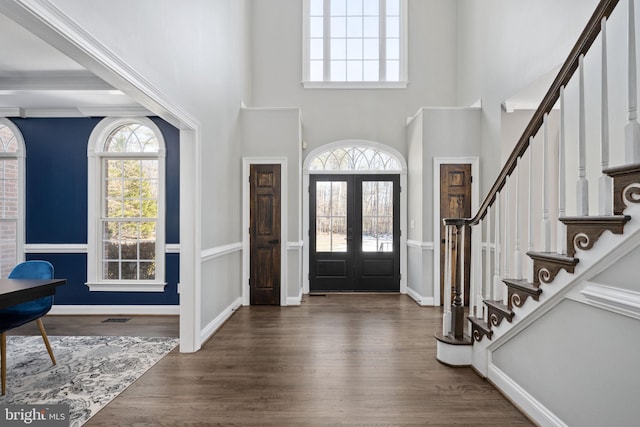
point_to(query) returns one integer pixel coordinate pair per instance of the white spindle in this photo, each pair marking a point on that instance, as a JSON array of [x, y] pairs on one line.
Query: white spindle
[[562, 180], [506, 238], [487, 261], [546, 225], [446, 318], [530, 213], [582, 186], [497, 282], [517, 255], [632, 130], [605, 183]]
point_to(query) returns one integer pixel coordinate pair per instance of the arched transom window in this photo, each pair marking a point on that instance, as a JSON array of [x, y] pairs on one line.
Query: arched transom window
[[10, 197], [130, 224], [354, 158]]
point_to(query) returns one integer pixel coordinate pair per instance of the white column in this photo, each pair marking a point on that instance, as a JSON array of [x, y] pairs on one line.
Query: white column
[[582, 187], [562, 181], [546, 225], [632, 130], [605, 183]]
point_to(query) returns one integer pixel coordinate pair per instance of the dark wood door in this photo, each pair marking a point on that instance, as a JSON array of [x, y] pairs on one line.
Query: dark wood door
[[354, 233], [455, 202], [265, 244]]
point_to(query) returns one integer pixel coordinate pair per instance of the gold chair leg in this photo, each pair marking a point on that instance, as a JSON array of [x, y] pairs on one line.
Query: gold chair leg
[[46, 340], [3, 351]]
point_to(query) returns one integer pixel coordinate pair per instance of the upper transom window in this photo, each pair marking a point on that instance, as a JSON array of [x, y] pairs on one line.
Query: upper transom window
[[354, 159], [355, 43]]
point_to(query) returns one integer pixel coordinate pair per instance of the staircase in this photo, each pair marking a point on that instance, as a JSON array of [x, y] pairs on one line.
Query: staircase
[[519, 271]]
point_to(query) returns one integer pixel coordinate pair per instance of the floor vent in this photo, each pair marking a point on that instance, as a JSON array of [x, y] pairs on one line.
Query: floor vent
[[117, 320]]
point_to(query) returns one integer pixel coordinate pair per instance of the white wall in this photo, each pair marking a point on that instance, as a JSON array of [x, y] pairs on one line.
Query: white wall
[[503, 46], [374, 115], [196, 54]]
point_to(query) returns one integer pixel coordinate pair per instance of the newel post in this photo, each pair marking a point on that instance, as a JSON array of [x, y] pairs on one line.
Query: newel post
[[457, 256]]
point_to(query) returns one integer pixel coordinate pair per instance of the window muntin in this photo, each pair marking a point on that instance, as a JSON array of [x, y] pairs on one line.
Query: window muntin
[[9, 199], [127, 253], [355, 41], [354, 159]]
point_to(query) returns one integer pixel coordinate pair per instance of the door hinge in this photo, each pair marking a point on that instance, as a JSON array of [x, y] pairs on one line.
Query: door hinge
[[471, 179], [249, 178], [400, 276]]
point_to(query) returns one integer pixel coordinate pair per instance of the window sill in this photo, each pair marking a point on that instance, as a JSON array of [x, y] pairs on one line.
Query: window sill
[[121, 286], [355, 85]]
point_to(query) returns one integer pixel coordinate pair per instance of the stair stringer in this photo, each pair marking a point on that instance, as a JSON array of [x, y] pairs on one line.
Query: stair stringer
[[606, 252], [608, 249]]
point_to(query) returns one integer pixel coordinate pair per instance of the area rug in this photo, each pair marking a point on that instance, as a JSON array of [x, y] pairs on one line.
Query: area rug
[[91, 371]]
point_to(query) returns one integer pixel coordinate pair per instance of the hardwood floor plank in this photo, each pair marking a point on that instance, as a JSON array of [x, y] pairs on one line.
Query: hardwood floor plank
[[343, 359]]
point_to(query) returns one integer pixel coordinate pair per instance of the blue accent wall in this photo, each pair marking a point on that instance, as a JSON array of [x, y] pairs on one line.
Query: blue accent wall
[[56, 205]]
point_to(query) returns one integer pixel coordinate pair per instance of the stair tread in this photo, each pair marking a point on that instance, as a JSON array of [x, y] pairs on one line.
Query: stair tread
[[479, 322], [523, 285], [498, 305], [622, 170], [553, 257], [595, 219]]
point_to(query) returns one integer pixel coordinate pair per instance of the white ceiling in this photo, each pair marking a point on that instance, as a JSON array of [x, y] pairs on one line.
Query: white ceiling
[[36, 80]]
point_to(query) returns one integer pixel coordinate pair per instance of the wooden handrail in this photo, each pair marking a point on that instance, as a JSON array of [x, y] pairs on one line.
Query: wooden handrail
[[591, 31]]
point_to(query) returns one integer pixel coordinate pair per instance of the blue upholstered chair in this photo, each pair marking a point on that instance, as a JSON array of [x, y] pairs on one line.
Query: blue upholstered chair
[[18, 315]]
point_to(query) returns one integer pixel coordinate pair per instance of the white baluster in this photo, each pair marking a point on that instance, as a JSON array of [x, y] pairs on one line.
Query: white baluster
[[632, 130], [497, 281], [582, 187], [562, 180], [517, 255], [605, 183], [462, 247], [546, 225], [487, 261], [530, 214], [446, 318], [506, 248]]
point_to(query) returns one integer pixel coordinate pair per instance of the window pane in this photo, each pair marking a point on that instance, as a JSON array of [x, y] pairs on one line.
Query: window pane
[[354, 27], [369, 242], [377, 216], [317, 7], [8, 247], [338, 71], [316, 71], [331, 208], [354, 71], [323, 234], [111, 271], [393, 7], [338, 7], [131, 138], [354, 49], [316, 49], [371, 7], [339, 235], [393, 49], [371, 27], [371, 71], [339, 198], [354, 7], [338, 27], [129, 270], [371, 49], [338, 48], [316, 26], [393, 71], [393, 27], [147, 270]]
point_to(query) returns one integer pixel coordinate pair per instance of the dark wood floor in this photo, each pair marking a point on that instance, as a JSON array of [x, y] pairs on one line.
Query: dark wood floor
[[366, 359]]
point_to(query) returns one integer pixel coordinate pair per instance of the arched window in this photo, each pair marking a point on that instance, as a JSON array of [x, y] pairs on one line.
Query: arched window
[[354, 159], [11, 196], [126, 215]]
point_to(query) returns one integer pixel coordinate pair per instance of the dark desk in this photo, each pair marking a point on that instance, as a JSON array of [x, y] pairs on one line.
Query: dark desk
[[16, 291]]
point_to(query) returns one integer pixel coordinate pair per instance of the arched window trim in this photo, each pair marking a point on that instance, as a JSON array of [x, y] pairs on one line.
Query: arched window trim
[[355, 143], [19, 155], [95, 153]]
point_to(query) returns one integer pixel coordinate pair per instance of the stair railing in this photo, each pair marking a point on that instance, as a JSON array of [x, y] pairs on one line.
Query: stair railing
[[501, 218]]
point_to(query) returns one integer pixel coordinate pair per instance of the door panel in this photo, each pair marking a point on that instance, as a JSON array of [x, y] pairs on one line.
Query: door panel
[[355, 233], [265, 243], [455, 202]]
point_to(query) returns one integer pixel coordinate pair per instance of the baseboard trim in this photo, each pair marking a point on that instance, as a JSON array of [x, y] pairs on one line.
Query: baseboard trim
[[423, 301], [295, 300], [216, 323], [522, 399], [88, 310]]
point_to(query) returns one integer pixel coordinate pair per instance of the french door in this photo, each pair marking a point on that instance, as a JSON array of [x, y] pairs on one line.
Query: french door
[[354, 233]]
